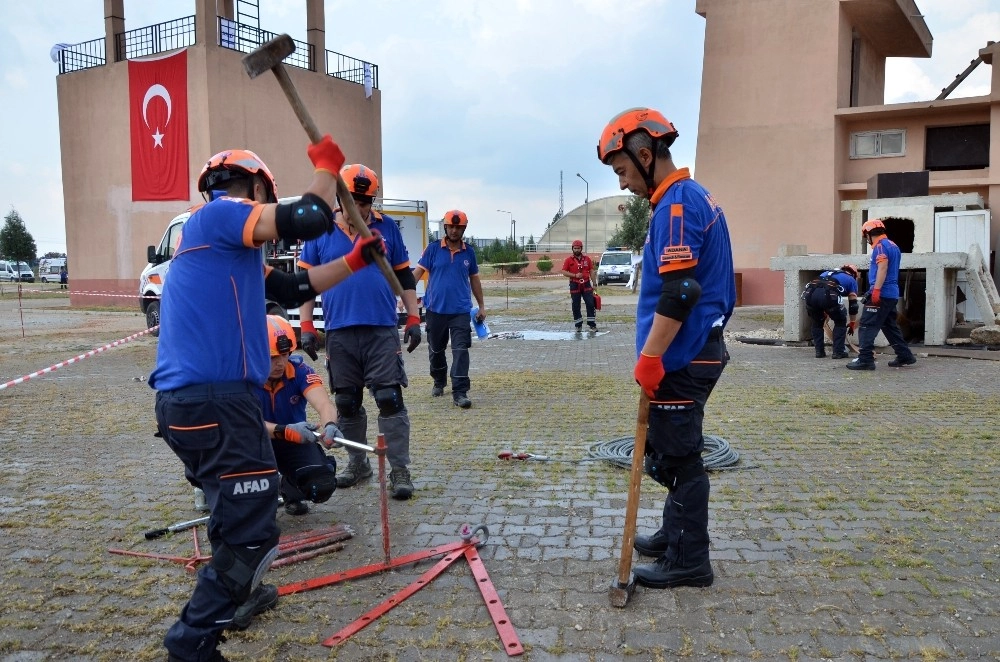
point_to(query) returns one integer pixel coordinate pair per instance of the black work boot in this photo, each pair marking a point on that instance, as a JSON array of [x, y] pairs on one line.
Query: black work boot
[[437, 391], [358, 468], [296, 508], [899, 363], [664, 573], [819, 343], [462, 400], [840, 342], [400, 483], [654, 545], [264, 597]]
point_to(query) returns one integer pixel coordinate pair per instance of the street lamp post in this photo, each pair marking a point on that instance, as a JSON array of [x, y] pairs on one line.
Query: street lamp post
[[586, 212], [512, 221]]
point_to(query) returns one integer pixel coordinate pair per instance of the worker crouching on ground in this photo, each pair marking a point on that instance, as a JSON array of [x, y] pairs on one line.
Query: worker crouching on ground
[[454, 272], [879, 312], [686, 298], [307, 473], [825, 297], [579, 268]]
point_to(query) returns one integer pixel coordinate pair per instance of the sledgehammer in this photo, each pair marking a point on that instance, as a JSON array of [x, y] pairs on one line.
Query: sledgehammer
[[268, 58], [623, 587]]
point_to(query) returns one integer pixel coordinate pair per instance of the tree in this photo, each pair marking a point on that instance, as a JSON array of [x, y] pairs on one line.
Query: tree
[[635, 225], [16, 243], [53, 254]]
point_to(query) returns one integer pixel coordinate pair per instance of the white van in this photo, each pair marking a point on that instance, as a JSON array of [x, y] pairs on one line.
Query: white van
[[16, 272], [614, 266], [152, 276], [49, 269]]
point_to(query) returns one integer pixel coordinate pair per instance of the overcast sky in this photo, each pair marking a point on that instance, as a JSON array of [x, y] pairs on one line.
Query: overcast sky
[[483, 103]]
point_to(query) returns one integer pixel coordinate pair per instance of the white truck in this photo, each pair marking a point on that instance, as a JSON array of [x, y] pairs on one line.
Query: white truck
[[410, 215]]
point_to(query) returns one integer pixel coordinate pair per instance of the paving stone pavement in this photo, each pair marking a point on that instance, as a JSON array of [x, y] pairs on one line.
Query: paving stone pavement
[[862, 523]]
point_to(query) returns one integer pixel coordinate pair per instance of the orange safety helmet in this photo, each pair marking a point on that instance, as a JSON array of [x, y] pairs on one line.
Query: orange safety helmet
[[360, 179], [634, 119], [875, 223], [577, 243], [850, 269], [456, 217], [234, 163], [281, 335]]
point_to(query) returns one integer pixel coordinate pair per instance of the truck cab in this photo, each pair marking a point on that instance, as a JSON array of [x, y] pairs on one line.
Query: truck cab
[[410, 215]]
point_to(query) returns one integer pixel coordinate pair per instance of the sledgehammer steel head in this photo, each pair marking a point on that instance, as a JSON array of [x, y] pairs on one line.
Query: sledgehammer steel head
[[270, 54], [619, 595]]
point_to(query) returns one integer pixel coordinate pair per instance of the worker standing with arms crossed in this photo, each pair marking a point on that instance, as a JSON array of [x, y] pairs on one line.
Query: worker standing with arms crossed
[[686, 298]]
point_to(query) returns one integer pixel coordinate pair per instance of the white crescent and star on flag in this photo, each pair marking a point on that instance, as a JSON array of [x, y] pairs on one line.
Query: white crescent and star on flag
[[154, 91]]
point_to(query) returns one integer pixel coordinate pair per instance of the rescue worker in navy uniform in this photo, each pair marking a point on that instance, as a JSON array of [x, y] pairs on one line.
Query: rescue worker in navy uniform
[[362, 337], [880, 301], [579, 268], [686, 297], [307, 473], [206, 406], [824, 297], [454, 273]]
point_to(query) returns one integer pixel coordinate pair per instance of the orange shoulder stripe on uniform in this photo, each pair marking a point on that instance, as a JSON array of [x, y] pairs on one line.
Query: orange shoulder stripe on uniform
[[251, 223]]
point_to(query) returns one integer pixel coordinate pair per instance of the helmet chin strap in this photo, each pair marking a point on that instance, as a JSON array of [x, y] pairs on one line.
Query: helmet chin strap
[[647, 176]]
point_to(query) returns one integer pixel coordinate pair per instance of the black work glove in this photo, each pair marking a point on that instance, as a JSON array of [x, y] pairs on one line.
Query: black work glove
[[411, 332], [309, 340]]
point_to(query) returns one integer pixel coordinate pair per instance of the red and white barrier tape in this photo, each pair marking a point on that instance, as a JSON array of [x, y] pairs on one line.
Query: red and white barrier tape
[[76, 358]]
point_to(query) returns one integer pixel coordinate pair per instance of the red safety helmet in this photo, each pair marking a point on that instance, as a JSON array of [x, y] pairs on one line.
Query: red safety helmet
[[360, 180], [232, 164], [281, 335], [456, 217], [577, 243], [875, 223], [634, 119], [850, 269]]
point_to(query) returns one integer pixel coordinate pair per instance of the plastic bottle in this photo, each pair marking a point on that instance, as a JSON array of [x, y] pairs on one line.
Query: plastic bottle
[[482, 330]]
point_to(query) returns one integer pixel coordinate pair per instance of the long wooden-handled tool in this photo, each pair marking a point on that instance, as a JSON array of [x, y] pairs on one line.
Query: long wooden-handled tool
[[268, 58], [623, 586]]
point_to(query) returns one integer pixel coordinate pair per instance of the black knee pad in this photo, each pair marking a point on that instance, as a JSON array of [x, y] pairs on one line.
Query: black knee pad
[[317, 482], [241, 568], [672, 471], [389, 399], [348, 400]]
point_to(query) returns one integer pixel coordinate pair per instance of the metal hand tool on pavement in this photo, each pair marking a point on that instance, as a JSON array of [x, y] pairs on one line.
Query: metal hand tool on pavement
[[511, 455]]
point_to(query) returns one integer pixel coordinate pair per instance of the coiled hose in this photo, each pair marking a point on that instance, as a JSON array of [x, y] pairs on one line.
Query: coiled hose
[[717, 456]]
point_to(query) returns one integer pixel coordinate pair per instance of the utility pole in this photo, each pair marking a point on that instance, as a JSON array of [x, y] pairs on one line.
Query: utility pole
[[586, 212]]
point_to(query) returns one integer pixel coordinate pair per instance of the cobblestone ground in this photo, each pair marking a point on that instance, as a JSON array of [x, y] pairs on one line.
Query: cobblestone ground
[[863, 524]]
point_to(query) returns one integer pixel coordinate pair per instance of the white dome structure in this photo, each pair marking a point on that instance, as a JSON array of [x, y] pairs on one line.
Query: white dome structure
[[598, 220]]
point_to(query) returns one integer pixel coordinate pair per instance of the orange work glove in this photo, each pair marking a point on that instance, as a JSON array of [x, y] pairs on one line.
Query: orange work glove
[[850, 327], [365, 251], [876, 296], [411, 332], [649, 373], [326, 155]]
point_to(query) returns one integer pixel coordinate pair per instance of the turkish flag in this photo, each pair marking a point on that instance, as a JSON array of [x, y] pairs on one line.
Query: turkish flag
[[158, 127]]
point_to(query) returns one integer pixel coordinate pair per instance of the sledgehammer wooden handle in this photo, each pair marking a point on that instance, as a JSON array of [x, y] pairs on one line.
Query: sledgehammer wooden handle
[[346, 201], [632, 505]]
